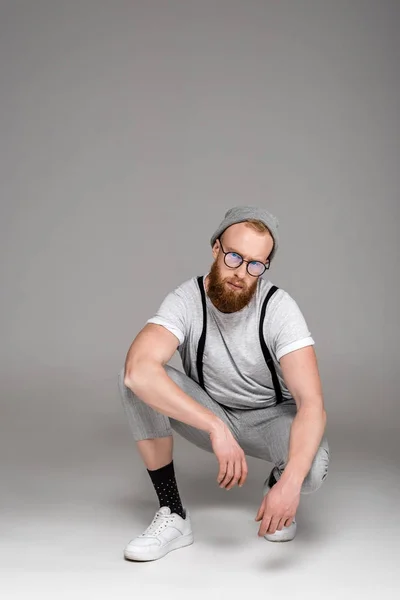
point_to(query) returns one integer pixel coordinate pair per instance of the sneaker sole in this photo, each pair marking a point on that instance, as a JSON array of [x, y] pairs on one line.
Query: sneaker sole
[[139, 556], [278, 541]]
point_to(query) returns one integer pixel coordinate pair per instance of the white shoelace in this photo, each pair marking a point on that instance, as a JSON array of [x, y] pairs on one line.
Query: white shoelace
[[157, 525]]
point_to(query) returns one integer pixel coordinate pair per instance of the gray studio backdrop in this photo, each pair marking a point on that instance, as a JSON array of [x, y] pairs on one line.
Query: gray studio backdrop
[[127, 129]]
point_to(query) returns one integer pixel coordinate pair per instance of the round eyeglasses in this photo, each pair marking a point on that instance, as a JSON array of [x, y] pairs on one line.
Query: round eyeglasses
[[233, 260]]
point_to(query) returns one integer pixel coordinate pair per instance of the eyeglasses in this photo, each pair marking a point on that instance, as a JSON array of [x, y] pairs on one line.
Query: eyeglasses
[[233, 260]]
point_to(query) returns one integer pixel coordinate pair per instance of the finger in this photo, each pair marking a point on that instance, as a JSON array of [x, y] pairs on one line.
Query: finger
[[236, 475], [222, 471], [288, 522], [281, 524], [273, 524], [264, 525], [245, 470], [260, 511], [238, 472], [228, 475]]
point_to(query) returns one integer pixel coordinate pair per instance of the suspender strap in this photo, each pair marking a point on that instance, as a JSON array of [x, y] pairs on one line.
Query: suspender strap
[[266, 352], [202, 340]]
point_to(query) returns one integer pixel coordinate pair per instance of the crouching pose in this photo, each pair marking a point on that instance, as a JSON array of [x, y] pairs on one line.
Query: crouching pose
[[250, 386]]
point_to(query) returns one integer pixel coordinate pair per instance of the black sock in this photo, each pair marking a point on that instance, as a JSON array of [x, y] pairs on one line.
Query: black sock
[[167, 490], [272, 479]]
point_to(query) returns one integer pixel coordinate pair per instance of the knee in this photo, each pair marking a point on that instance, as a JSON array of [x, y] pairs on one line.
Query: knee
[[318, 472]]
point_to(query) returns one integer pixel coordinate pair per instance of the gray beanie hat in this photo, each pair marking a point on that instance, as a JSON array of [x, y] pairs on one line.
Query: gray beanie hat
[[238, 214]]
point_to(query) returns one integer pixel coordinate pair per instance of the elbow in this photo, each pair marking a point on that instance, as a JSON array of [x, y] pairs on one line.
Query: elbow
[[131, 379], [131, 376], [128, 380], [139, 375]]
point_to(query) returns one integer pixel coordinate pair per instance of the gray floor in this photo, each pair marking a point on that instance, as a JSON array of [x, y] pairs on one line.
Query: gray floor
[[75, 492]]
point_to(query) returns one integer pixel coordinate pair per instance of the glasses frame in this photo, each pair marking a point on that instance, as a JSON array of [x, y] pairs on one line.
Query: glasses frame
[[265, 265]]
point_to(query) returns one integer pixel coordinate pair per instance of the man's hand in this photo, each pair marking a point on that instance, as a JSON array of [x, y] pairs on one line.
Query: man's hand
[[278, 507], [232, 461]]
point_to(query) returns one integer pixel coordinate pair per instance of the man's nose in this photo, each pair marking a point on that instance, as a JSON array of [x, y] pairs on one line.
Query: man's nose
[[241, 271]]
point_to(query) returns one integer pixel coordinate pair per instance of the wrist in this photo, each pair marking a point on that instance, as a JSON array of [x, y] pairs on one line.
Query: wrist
[[215, 424], [294, 475]]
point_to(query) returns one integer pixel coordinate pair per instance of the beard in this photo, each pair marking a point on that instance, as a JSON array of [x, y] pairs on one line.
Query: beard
[[226, 299]]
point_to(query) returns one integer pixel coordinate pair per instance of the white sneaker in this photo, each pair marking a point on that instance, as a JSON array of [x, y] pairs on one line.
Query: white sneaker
[[168, 531], [286, 534]]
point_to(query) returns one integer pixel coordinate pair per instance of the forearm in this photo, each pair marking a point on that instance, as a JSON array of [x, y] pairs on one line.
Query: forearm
[[150, 382], [305, 438]]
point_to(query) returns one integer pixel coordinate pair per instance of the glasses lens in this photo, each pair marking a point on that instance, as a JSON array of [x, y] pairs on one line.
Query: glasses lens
[[256, 268], [232, 259]]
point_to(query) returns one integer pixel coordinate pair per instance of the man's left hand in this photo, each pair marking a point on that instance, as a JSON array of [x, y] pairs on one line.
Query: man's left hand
[[278, 507]]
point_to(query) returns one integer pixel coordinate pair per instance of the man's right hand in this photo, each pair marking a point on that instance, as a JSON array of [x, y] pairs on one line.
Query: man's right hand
[[232, 461]]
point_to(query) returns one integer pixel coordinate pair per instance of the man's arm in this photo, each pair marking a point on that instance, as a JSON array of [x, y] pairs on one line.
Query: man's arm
[[145, 375], [300, 372]]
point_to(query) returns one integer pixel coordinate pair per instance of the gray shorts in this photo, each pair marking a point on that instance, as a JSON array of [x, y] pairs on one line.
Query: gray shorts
[[261, 432]]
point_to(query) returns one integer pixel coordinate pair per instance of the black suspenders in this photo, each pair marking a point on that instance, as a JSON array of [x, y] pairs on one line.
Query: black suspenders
[[266, 352], [202, 340]]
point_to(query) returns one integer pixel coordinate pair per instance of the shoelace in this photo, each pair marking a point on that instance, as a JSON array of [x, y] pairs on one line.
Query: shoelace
[[157, 525]]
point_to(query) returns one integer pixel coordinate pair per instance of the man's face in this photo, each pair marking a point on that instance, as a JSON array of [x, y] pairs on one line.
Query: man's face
[[230, 289]]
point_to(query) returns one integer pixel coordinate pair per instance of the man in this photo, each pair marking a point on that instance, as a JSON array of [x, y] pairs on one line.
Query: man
[[250, 385]]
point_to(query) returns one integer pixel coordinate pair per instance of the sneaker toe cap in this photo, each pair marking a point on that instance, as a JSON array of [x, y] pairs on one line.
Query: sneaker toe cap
[[143, 543]]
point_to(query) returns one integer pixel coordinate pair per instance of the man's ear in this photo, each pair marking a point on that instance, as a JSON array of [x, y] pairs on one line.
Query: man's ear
[[215, 249]]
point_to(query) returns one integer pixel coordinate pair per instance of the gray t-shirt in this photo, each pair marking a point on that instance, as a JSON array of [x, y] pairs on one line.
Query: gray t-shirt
[[235, 372]]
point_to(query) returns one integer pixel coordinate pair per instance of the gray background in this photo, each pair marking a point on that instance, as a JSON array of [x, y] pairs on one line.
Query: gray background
[[127, 129]]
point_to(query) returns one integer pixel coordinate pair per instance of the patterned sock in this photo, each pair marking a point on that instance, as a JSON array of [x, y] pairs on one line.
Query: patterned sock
[[167, 490]]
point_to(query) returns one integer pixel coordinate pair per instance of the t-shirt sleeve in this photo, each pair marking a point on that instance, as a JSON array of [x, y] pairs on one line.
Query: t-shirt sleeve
[[285, 329], [172, 314]]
